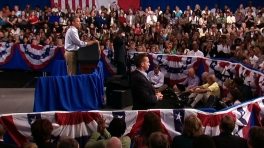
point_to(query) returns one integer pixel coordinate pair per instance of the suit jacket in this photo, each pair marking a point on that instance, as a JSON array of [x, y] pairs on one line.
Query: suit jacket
[[6, 145], [119, 48], [226, 140], [143, 94], [128, 19], [141, 20]]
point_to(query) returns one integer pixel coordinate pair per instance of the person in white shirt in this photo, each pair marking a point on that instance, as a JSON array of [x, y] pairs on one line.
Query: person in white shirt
[[230, 19], [72, 44], [156, 78], [15, 30], [195, 52], [252, 58], [151, 18]]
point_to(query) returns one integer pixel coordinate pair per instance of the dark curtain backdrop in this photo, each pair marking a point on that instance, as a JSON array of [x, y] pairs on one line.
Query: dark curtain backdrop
[[233, 4], [23, 3]]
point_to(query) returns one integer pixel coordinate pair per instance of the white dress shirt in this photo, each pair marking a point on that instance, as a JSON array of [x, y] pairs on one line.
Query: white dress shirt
[[253, 59], [72, 40], [198, 53], [156, 79]]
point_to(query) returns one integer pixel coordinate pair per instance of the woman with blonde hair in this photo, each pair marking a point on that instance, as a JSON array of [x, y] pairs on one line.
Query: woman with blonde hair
[[192, 128]]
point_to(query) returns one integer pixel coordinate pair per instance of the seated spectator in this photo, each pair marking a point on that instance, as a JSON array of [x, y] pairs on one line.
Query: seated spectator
[[243, 88], [204, 91], [41, 131], [256, 137], [33, 19], [29, 145], [195, 51], [67, 142], [150, 125], [192, 128], [190, 82], [114, 142], [252, 58], [12, 19], [2, 143], [158, 140], [2, 19], [156, 77], [203, 141], [116, 128], [226, 139]]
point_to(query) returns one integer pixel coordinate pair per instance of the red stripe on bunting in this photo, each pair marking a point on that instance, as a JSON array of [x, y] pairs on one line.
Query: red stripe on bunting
[[36, 67], [8, 58], [52, 3], [59, 3], [93, 2], [213, 120], [74, 118], [73, 5], [87, 3], [80, 4], [10, 127]]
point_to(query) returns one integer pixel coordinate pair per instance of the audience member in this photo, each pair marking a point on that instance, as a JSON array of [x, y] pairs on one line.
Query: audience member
[[150, 125], [256, 137], [158, 140], [29, 145], [203, 141], [2, 143], [192, 128], [113, 142], [156, 78], [226, 139], [67, 142], [203, 92], [191, 81], [41, 131], [235, 97], [243, 88], [117, 128]]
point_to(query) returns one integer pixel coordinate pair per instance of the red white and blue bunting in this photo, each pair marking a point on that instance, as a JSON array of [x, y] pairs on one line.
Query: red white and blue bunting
[[6, 52], [37, 57]]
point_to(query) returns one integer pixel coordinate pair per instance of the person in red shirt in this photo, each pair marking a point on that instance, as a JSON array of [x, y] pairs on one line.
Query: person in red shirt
[[33, 19], [121, 18]]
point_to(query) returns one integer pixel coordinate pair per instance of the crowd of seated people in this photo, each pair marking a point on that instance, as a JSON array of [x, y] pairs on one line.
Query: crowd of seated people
[[151, 135]]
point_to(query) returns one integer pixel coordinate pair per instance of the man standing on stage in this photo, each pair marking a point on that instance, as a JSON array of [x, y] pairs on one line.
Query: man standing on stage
[[143, 94], [120, 53], [72, 44]]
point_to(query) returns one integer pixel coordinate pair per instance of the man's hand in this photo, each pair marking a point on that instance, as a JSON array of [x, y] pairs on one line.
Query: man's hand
[[101, 124], [159, 96]]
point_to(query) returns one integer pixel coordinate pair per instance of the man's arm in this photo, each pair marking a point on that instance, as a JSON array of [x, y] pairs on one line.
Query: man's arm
[[76, 40]]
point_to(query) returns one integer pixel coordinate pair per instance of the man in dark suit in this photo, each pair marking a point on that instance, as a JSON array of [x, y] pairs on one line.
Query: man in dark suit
[[143, 94], [226, 139], [120, 53], [2, 143]]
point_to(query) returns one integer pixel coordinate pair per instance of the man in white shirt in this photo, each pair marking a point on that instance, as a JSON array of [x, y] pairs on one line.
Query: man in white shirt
[[72, 44], [151, 18], [230, 19], [156, 78], [195, 52]]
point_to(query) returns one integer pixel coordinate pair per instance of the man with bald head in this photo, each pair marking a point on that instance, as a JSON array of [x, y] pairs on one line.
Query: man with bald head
[[190, 82], [114, 142], [202, 93], [2, 144]]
